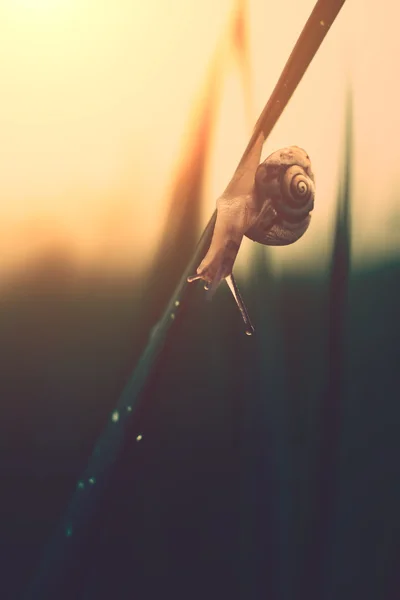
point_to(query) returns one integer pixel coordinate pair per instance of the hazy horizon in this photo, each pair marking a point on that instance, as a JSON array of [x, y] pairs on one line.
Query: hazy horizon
[[98, 103]]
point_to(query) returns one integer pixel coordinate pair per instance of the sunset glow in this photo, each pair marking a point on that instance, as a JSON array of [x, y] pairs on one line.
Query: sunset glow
[[97, 99]]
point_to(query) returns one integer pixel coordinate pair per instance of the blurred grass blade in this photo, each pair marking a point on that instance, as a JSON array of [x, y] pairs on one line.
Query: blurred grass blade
[[67, 546], [183, 216], [176, 246], [331, 405], [263, 461], [181, 228], [240, 45]]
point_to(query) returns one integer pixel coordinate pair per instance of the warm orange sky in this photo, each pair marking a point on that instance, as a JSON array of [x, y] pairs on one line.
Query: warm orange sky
[[96, 98]]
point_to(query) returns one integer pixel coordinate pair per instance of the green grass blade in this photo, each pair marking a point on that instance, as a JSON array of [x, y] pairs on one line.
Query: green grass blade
[[262, 448], [330, 423], [67, 544]]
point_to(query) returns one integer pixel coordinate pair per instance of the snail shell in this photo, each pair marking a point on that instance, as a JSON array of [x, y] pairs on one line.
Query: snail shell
[[283, 197], [274, 211]]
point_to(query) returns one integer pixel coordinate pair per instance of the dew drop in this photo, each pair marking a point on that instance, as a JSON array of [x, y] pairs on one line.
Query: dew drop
[[172, 316], [92, 480], [322, 23], [155, 330], [177, 303], [115, 416], [139, 437], [81, 485], [129, 408]]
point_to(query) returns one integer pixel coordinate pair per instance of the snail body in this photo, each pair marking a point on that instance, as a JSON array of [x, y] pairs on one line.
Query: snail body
[[269, 203]]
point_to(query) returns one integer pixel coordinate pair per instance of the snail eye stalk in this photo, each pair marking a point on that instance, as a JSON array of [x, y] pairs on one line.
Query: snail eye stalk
[[230, 280]]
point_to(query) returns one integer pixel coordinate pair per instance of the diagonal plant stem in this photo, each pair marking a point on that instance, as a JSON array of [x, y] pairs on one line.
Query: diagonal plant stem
[[310, 39], [314, 31], [66, 546], [229, 225]]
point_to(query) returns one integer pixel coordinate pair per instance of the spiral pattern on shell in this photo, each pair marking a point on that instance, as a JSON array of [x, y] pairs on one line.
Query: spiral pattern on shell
[[296, 198], [285, 180], [299, 188]]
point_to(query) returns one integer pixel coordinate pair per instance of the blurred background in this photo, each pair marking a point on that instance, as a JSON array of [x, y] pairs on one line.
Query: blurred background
[[269, 465]]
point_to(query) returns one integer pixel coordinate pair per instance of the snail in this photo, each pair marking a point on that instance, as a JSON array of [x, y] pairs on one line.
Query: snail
[[269, 203]]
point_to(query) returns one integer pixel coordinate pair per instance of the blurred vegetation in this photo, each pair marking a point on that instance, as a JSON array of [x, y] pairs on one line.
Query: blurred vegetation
[[222, 496], [220, 493], [267, 467]]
